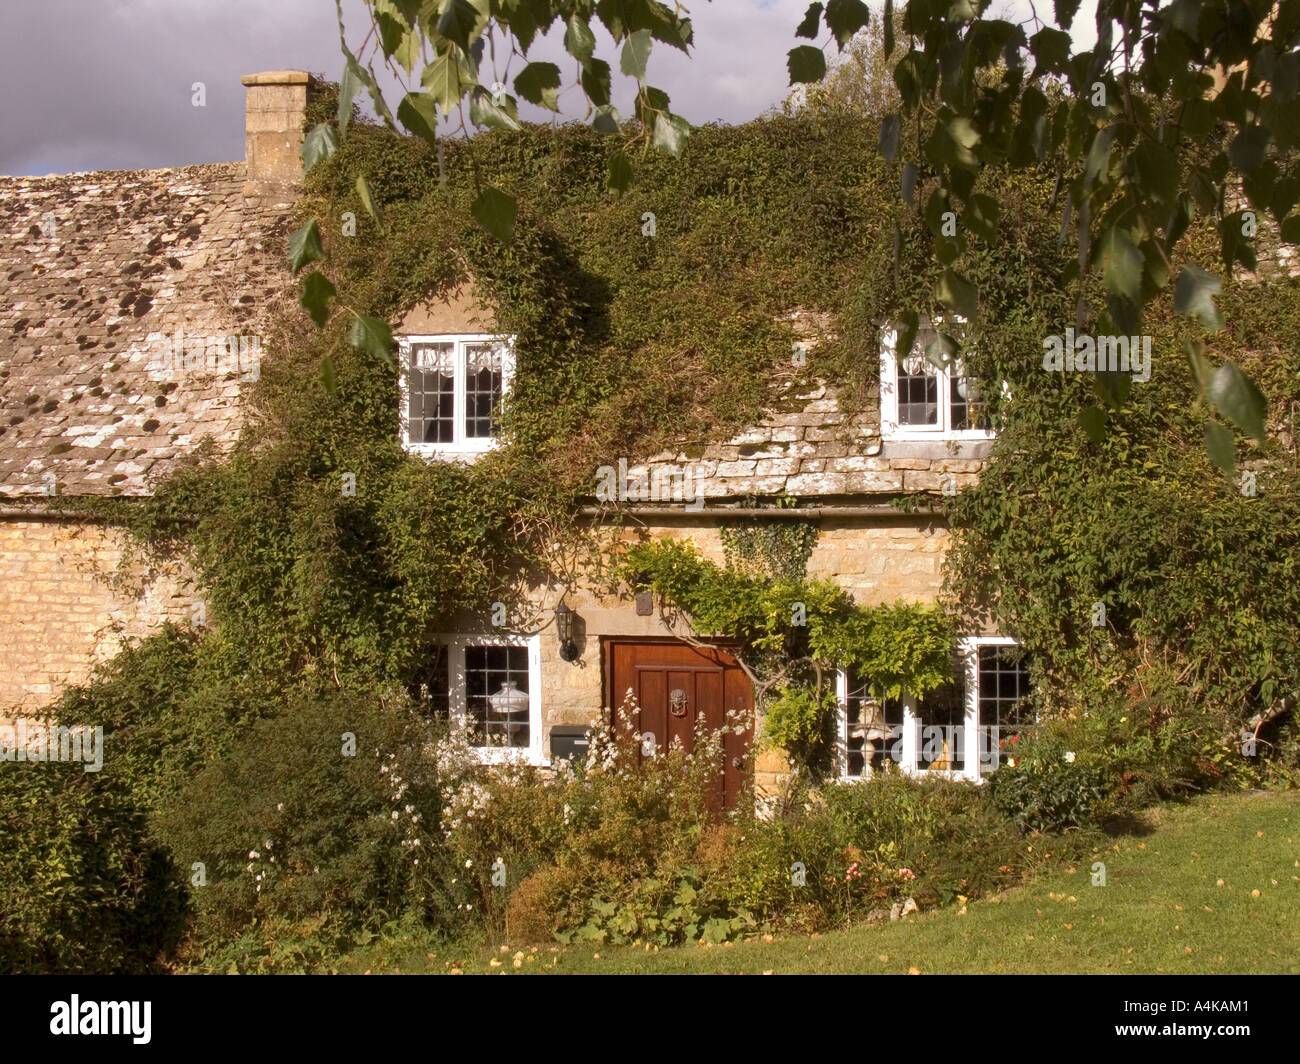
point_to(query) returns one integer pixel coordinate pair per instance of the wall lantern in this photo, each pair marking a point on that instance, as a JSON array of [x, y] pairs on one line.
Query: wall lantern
[[564, 631]]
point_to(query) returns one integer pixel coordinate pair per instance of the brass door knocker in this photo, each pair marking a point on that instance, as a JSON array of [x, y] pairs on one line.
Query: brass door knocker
[[677, 702]]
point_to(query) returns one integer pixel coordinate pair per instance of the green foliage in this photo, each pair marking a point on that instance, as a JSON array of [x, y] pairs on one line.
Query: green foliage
[[797, 720], [901, 646], [778, 550], [167, 709], [663, 912], [1141, 523], [1118, 758], [624, 343], [629, 853], [1047, 794], [898, 646], [84, 887], [1149, 133], [792, 632], [945, 832], [292, 826], [400, 34]]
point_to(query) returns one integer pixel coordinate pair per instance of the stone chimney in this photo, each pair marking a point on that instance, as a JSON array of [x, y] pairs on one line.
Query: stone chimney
[[275, 108]]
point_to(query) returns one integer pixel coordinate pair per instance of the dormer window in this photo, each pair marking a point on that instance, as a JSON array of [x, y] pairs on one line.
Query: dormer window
[[453, 389], [922, 401]]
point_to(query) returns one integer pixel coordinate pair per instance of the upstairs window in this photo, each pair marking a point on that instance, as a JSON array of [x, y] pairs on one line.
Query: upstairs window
[[453, 390], [919, 400]]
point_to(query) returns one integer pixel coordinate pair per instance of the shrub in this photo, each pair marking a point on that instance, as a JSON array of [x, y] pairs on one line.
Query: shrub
[[1048, 793], [630, 851], [779, 867], [83, 887], [291, 825], [1123, 755], [933, 838], [165, 711]]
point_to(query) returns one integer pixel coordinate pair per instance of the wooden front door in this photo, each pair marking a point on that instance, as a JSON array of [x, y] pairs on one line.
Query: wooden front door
[[676, 684]]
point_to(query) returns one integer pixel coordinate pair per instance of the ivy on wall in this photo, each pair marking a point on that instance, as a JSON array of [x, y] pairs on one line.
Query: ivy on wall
[[629, 335], [661, 316], [776, 549]]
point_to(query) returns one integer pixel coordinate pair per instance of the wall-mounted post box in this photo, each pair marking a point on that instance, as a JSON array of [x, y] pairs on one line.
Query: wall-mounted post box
[[570, 742]]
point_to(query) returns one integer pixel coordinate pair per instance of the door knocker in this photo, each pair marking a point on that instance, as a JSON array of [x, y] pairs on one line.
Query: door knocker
[[677, 702]]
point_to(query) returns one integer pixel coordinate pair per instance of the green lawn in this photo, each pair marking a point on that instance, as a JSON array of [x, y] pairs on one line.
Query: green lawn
[[1214, 887]]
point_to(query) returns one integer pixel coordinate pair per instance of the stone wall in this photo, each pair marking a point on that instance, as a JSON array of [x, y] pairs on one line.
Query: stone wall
[[814, 449], [60, 612]]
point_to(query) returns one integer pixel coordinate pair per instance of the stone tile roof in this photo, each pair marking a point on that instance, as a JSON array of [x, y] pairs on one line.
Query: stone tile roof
[[101, 271]]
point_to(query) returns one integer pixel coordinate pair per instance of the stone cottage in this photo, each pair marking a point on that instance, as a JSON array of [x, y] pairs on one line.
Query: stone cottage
[[133, 320]]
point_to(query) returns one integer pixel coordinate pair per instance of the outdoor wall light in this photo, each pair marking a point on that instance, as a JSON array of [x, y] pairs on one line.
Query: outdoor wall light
[[564, 631]]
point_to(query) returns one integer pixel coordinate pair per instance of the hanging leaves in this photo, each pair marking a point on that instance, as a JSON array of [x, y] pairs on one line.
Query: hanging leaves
[[368, 200], [495, 212], [319, 143], [372, 336], [305, 246], [1220, 446], [539, 83], [1194, 295], [807, 65], [418, 113], [1237, 398], [317, 291], [619, 172]]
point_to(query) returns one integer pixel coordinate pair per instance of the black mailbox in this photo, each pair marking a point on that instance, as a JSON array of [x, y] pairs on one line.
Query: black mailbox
[[570, 742]]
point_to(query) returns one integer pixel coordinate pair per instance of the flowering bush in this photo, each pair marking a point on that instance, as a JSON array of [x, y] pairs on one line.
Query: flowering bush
[[615, 845], [932, 838], [328, 809], [629, 846]]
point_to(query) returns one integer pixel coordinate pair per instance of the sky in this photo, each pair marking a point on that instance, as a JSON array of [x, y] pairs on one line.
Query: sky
[[109, 84]]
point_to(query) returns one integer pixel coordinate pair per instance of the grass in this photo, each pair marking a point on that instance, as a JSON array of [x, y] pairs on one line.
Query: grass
[[1208, 887]]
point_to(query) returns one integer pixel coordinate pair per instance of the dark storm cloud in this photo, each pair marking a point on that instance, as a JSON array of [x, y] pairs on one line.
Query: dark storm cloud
[[107, 84]]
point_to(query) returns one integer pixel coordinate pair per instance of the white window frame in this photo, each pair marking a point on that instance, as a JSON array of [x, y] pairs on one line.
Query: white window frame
[[457, 700], [461, 445], [890, 429], [968, 661]]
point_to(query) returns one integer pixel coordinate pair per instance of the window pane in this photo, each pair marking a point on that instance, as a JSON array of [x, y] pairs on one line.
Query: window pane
[[496, 696], [918, 392], [967, 410], [484, 367], [432, 413], [873, 730], [942, 738], [1004, 703]]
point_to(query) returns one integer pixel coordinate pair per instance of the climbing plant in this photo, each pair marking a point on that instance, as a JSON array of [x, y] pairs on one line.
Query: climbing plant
[[777, 549], [793, 633], [630, 338]]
